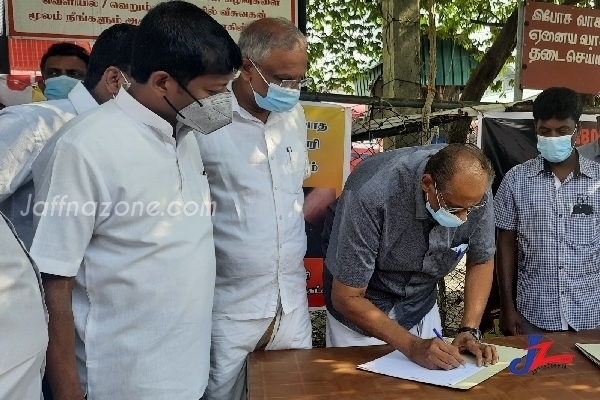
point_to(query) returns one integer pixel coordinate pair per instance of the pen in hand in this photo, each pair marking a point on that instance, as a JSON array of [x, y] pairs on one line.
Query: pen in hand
[[439, 336]]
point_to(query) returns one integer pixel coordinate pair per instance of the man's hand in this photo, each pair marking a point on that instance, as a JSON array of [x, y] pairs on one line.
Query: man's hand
[[486, 354], [510, 321], [434, 354]]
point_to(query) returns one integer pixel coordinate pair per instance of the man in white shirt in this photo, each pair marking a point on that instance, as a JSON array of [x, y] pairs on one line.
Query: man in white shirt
[[128, 258], [26, 128], [23, 330], [255, 168]]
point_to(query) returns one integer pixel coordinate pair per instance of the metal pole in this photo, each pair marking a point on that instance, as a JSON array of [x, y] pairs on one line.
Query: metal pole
[[4, 62], [389, 103], [519, 61]]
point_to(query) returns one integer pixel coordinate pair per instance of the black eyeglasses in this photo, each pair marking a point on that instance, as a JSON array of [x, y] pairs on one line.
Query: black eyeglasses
[[286, 83], [454, 210]]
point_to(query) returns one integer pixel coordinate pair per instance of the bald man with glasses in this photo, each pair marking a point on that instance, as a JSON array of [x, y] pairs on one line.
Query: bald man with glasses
[[404, 221]]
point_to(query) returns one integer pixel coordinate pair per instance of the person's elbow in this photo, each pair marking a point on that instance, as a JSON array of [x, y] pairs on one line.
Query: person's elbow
[[344, 298]]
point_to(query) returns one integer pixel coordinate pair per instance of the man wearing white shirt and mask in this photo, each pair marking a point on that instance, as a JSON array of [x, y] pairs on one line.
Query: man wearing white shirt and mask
[[63, 65], [128, 263], [255, 168], [27, 128]]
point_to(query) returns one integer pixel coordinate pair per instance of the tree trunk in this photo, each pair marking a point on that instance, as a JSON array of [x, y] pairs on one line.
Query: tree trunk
[[401, 38], [488, 69]]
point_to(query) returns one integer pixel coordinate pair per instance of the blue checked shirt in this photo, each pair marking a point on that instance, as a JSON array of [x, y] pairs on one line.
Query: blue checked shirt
[[559, 248]]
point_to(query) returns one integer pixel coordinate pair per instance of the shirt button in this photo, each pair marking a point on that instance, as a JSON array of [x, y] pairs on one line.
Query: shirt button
[[272, 158], [276, 187], [280, 246], [561, 267], [280, 217], [559, 215]]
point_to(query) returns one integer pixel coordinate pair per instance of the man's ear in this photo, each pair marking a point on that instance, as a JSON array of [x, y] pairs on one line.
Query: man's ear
[[246, 69], [112, 80], [162, 83], [426, 182]]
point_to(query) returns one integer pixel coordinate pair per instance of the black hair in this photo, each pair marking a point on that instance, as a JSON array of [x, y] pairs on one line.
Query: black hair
[[557, 103], [65, 49], [446, 163], [112, 49], [181, 39]]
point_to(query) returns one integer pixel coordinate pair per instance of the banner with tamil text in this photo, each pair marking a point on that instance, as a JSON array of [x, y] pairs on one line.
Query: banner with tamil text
[[86, 19], [561, 47], [328, 143]]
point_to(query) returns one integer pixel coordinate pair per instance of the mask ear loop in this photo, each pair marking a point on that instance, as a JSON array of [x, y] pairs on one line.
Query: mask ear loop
[[185, 90], [173, 107]]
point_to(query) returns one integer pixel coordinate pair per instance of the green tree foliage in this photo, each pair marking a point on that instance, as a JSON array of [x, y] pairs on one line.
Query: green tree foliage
[[345, 35], [344, 39]]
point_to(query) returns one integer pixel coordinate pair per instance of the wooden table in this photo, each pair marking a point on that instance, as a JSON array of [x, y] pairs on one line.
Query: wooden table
[[332, 374]]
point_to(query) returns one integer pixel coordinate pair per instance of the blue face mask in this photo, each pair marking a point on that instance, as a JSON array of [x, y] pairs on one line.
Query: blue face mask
[[555, 149], [59, 87], [443, 216], [278, 99]]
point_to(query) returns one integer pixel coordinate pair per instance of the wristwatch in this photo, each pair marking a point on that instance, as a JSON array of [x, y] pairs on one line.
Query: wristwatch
[[473, 331]]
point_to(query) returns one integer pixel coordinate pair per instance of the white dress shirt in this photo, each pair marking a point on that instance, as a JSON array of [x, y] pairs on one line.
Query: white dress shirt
[[144, 263], [255, 171], [23, 331], [25, 130]]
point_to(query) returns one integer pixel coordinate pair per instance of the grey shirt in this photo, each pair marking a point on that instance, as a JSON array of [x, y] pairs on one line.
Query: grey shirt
[[591, 151], [383, 238]]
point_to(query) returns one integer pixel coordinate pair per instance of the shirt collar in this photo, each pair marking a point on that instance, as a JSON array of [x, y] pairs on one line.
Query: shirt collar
[[137, 111], [81, 99], [421, 210], [597, 147], [583, 167]]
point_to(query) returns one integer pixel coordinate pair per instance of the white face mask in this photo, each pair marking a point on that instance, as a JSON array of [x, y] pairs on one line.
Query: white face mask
[[207, 115], [126, 85]]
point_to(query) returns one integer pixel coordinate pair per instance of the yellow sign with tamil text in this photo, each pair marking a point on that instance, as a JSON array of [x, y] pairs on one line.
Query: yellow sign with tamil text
[[328, 143]]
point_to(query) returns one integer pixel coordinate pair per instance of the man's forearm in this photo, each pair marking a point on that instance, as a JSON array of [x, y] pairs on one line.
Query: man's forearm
[[478, 283], [369, 318], [61, 365]]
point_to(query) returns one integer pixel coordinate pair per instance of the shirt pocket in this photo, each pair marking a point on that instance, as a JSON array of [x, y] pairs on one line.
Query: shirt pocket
[[581, 230], [440, 262], [292, 171]]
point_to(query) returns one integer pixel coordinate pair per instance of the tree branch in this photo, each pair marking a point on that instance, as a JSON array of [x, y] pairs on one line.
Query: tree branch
[[484, 23], [489, 67]]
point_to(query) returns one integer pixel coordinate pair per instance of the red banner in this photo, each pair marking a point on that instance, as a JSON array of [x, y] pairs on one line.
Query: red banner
[[561, 47]]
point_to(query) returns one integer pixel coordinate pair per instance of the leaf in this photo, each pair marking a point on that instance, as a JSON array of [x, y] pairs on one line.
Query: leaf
[[345, 36]]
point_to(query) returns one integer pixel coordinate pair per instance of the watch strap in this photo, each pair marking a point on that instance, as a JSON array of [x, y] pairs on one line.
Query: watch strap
[[473, 331]]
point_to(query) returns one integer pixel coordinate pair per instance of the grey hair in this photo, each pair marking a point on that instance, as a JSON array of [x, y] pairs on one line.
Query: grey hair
[[450, 160], [257, 39]]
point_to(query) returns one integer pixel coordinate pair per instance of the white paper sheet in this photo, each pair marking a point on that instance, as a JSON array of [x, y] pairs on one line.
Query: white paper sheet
[[397, 365], [592, 351]]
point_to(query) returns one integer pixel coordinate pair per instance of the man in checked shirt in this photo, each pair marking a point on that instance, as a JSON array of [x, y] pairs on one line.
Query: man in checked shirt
[[550, 208]]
